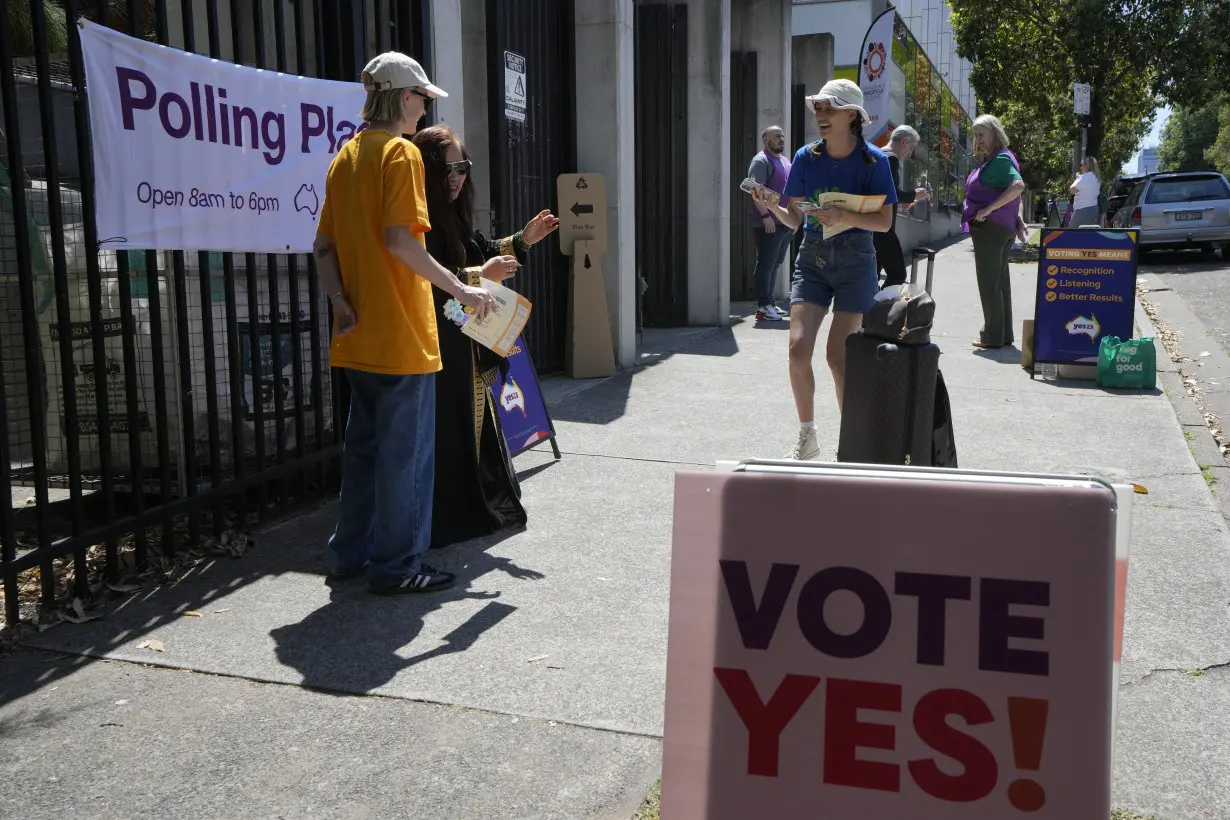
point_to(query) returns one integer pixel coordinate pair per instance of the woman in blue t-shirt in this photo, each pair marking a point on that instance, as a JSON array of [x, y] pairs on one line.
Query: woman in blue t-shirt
[[839, 271]]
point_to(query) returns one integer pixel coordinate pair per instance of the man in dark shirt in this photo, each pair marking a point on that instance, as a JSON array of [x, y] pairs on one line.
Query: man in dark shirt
[[889, 256]]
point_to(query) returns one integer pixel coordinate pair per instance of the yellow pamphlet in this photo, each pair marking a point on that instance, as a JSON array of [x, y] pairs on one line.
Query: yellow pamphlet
[[499, 331], [851, 203]]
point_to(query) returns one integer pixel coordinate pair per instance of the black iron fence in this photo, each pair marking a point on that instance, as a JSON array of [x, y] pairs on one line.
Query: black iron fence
[[528, 155], [153, 398]]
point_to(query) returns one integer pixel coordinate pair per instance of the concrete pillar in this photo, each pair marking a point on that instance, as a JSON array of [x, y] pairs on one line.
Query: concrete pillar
[[474, 115], [812, 65], [764, 26], [447, 72], [709, 183], [606, 144]]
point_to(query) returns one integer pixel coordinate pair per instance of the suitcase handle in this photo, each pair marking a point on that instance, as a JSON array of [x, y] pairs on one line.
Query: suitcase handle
[[916, 254]]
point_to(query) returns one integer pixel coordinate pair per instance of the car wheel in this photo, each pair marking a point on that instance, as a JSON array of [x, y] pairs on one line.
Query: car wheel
[[1225, 252]]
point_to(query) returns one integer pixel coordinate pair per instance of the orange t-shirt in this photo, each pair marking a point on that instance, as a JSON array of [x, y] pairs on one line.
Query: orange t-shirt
[[376, 182]]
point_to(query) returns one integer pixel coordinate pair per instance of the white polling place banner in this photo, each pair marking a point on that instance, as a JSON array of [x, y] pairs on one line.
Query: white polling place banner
[[873, 74], [201, 154]]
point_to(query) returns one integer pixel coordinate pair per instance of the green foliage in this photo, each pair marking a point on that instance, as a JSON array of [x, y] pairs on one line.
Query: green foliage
[[1188, 136], [1218, 154], [22, 26], [1027, 54], [1191, 48]]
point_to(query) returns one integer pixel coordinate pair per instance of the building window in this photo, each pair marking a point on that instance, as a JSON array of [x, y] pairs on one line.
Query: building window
[[920, 98]]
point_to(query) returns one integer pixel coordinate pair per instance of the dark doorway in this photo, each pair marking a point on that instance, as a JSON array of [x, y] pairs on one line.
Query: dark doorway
[[798, 138], [661, 37], [530, 147], [744, 143]]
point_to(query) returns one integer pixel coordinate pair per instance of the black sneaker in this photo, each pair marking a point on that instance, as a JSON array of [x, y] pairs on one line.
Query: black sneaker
[[427, 579]]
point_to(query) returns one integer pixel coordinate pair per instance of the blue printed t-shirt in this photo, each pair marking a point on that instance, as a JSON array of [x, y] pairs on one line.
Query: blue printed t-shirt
[[812, 174]]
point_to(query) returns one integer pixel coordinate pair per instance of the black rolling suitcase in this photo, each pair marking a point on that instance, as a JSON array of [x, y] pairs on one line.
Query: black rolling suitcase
[[888, 406]]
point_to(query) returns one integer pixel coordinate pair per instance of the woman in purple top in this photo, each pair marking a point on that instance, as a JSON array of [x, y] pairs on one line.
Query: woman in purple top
[[992, 218]]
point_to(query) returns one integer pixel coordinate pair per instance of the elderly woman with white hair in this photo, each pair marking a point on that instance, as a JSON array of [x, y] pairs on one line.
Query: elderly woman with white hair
[[889, 257], [991, 216]]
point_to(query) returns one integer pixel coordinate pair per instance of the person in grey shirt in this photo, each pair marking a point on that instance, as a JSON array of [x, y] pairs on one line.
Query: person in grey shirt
[[770, 168]]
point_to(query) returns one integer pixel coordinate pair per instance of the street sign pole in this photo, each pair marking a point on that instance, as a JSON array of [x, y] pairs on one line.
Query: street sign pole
[[1080, 106]]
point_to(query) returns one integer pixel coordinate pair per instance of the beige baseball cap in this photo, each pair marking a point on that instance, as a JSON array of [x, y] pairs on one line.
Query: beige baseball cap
[[395, 70], [841, 94]]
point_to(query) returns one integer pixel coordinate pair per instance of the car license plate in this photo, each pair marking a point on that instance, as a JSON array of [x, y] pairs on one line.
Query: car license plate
[[1188, 216]]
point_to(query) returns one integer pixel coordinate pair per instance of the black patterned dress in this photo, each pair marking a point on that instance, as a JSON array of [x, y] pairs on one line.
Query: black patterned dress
[[476, 492]]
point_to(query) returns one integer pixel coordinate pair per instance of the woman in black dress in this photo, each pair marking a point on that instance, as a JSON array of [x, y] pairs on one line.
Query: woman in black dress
[[476, 490]]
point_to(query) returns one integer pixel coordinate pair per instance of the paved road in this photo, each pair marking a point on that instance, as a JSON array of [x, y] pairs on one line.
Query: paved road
[[1190, 295], [1202, 282]]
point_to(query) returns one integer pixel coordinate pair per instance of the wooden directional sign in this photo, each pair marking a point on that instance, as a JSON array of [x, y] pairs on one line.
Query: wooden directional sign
[[582, 211]]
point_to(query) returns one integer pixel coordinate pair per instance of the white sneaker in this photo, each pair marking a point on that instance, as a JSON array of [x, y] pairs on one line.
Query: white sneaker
[[768, 313], [807, 447]]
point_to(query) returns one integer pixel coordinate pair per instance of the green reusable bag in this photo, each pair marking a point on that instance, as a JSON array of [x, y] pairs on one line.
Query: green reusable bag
[[1130, 365]]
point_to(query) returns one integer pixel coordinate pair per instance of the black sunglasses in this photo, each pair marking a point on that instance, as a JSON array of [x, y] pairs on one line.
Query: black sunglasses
[[460, 167], [425, 96]]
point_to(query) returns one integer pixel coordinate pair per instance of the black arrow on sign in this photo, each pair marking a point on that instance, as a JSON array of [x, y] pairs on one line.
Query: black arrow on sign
[[578, 209], [587, 264]]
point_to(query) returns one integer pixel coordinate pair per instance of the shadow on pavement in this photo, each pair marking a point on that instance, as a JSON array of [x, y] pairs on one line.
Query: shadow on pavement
[[1008, 354], [606, 400], [1092, 386], [348, 645], [351, 645], [1181, 262]]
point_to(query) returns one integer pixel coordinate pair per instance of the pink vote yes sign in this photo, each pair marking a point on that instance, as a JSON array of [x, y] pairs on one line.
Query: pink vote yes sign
[[922, 647]]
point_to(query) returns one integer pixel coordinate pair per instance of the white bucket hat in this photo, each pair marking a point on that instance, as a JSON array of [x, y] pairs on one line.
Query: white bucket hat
[[842, 95], [395, 70]]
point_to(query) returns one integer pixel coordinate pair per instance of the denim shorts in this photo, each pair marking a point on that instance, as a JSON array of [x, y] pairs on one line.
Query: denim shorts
[[840, 272]]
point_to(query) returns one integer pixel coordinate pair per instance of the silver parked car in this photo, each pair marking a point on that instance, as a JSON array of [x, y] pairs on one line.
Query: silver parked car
[[1189, 209]]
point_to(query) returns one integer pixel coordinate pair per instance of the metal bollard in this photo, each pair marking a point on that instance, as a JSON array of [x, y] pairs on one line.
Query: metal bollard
[[920, 252]]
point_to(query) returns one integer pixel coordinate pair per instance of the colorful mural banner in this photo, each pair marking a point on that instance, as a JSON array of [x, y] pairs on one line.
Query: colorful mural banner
[[873, 75]]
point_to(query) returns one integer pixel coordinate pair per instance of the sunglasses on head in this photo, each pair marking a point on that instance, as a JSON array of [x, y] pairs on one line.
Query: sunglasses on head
[[460, 167]]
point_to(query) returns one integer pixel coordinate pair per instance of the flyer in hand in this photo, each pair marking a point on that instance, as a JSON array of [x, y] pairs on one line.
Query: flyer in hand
[[499, 331], [851, 203]]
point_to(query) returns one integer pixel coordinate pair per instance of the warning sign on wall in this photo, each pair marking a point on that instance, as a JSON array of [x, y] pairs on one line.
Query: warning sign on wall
[[514, 86]]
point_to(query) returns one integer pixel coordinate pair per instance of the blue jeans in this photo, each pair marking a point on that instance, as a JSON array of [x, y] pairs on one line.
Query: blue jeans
[[388, 474], [770, 253]]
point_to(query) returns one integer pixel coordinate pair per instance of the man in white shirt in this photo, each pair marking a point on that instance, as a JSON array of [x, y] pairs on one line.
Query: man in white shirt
[[1085, 189]]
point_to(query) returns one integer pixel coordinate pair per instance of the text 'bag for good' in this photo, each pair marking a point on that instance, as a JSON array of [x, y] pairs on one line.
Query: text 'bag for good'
[[1128, 365]]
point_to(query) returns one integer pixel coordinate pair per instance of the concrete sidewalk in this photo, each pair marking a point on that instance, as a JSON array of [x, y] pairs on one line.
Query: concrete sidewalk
[[536, 688]]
